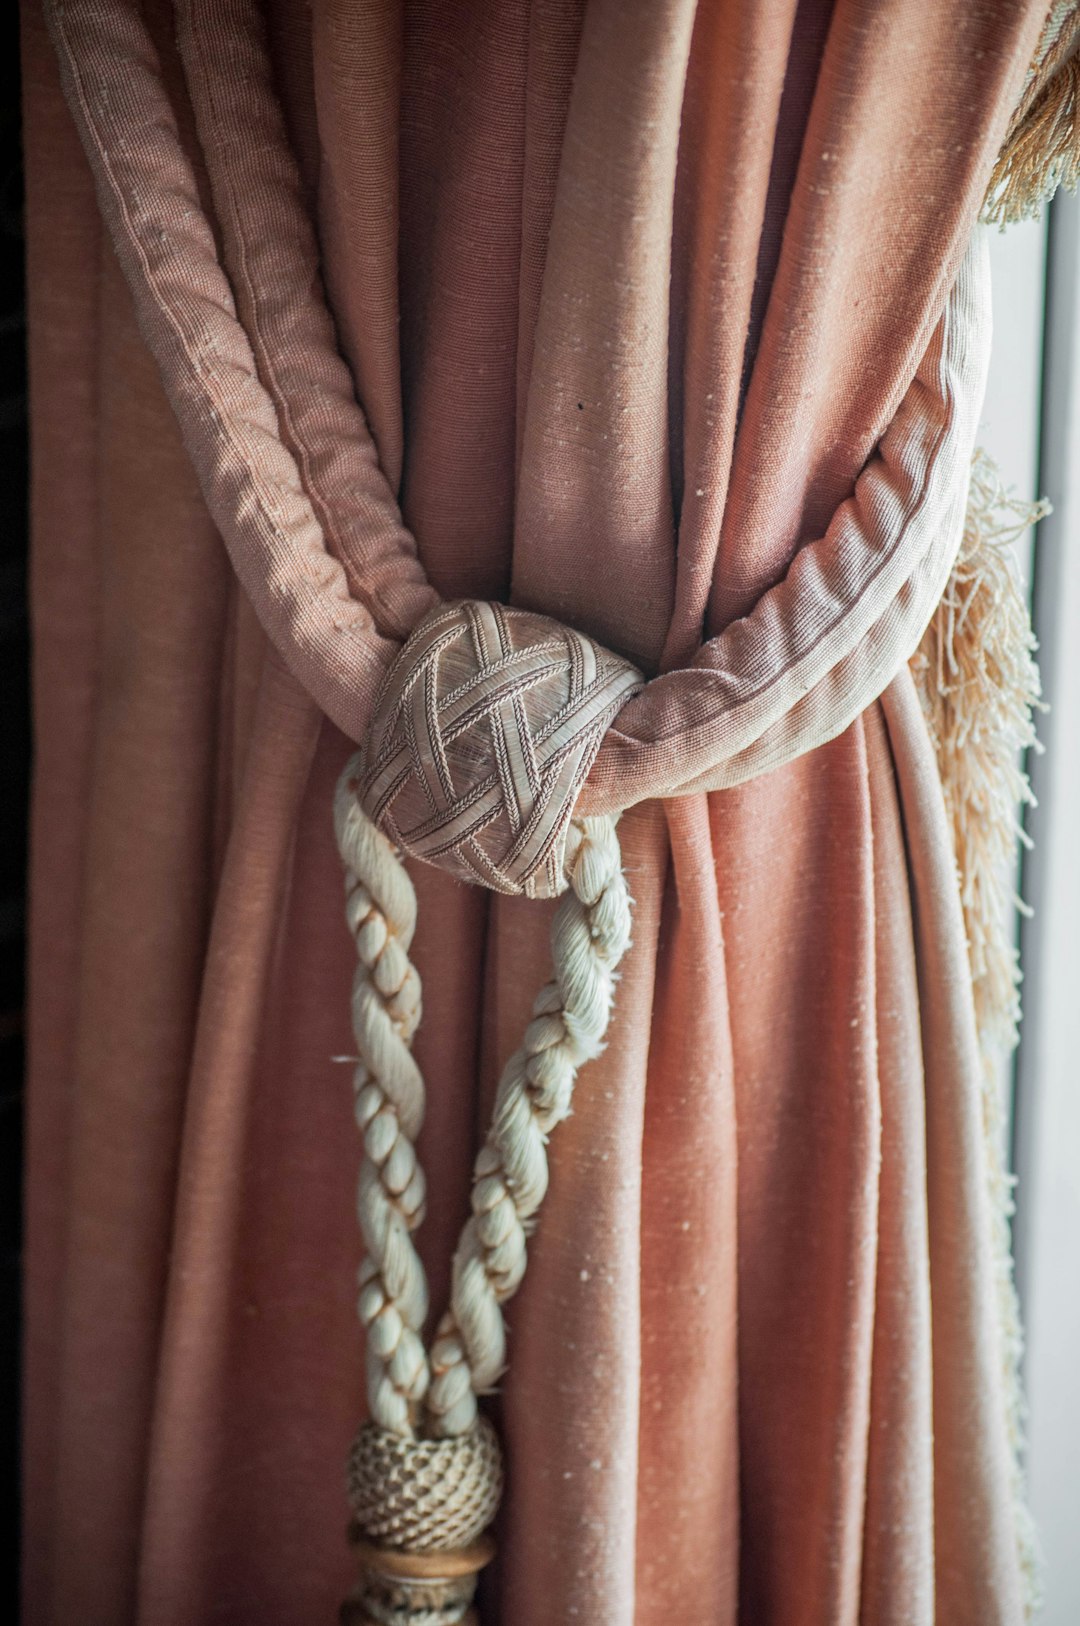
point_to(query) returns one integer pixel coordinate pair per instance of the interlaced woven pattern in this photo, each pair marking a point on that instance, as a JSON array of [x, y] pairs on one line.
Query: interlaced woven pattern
[[484, 733], [424, 1496]]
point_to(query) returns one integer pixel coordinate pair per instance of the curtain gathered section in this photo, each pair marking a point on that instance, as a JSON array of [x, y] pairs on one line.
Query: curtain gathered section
[[666, 320], [291, 473]]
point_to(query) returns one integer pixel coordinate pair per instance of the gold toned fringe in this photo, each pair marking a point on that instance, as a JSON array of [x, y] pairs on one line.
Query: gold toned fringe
[[979, 685], [1042, 147]]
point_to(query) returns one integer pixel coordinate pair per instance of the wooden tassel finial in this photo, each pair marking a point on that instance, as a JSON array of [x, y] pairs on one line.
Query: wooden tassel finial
[[415, 1587]]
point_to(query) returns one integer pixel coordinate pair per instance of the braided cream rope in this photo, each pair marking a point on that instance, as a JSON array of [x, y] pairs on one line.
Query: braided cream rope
[[408, 1391]]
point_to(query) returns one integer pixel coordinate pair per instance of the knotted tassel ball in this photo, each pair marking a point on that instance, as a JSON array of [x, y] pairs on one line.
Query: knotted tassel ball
[[423, 1496], [484, 733]]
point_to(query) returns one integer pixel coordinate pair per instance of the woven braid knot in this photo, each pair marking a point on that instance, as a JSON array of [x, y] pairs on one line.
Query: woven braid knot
[[484, 732], [424, 1496]]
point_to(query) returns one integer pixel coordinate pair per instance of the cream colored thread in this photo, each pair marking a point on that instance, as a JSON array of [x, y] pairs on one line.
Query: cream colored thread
[[590, 933]]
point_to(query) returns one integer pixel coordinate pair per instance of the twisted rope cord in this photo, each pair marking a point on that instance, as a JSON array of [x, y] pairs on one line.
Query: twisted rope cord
[[250, 479], [590, 933], [380, 908], [272, 260]]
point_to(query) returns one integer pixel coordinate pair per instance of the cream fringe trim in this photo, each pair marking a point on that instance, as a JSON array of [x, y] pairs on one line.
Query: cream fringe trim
[[979, 685], [1042, 148]]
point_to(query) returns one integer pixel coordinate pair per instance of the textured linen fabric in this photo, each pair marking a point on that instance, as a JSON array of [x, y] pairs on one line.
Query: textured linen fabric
[[290, 472], [629, 295]]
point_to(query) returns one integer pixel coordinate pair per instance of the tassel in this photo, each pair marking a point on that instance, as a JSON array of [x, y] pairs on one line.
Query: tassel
[[1042, 148], [979, 685]]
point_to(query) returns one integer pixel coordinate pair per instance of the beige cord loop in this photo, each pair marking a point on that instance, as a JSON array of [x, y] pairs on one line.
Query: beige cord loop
[[499, 712]]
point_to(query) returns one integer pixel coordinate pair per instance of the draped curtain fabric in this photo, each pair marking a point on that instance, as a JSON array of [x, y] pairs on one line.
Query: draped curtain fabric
[[629, 294]]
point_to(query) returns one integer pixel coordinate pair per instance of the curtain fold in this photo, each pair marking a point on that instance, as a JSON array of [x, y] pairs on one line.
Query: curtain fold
[[627, 298]]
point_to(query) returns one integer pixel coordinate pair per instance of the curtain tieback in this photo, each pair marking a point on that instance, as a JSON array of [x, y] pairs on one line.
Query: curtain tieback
[[246, 345], [503, 746], [484, 733]]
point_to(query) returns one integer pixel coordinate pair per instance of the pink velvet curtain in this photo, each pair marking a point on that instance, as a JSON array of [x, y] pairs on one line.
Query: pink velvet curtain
[[755, 1371]]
